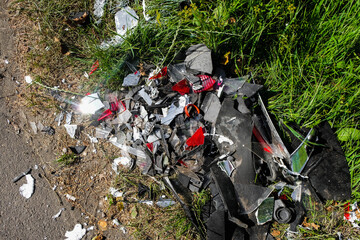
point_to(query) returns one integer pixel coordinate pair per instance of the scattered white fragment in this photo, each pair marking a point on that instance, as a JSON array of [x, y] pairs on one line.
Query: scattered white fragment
[[71, 130], [99, 8], [116, 222], [86, 75], [6, 61], [90, 228], [123, 229], [58, 214], [147, 18], [125, 161], [54, 187], [92, 139], [145, 96], [72, 198], [147, 202], [28, 79], [27, 189], [33, 127], [36, 167], [90, 104], [351, 216], [163, 203], [68, 118], [225, 139], [131, 150], [116, 193], [76, 234]]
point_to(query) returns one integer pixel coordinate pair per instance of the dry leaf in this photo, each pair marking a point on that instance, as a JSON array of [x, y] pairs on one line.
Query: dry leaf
[[275, 233], [102, 225]]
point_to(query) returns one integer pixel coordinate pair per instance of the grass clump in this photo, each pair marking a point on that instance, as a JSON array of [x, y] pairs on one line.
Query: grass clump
[[67, 159]]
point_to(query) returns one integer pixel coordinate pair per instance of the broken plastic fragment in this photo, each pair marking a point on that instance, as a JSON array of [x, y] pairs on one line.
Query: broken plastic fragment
[[132, 79], [182, 87], [33, 127], [77, 149], [211, 107], [300, 156], [106, 114], [27, 189], [72, 198], [161, 74], [146, 16], [102, 133], [174, 111], [196, 140], [94, 67], [71, 130], [125, 161], [58, 214], [207, 82], [199, 58], [163, 203], [122, 117], [265, 212], [28, 79], [90, 104], [68, 118], [226, 166], [145, 96], [116, 193], [131, 150], [76, 234]]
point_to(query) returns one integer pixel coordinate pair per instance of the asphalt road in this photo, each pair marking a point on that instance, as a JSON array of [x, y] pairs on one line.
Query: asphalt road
[[22, 218]]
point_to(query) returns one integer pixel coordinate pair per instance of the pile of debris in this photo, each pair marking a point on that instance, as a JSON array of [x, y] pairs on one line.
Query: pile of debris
[[200, 130]]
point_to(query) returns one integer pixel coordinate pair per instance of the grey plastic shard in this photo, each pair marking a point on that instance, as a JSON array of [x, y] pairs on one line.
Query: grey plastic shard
[[231, 85], [71, 130], [132, 79], [163, 203], [145, 96], [237, 127], [211, 107], [122, 117], [175, 110], [128, 149], [199, 58], [102, 133]]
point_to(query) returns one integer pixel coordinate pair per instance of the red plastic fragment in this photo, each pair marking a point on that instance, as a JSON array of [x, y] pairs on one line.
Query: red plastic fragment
[[196, 139], [106, 114], [94, 67], [182, 87], [261, 140], [150, 146], [162, 73], [182, 162], [347, 211], [207, 82], [283, 197]]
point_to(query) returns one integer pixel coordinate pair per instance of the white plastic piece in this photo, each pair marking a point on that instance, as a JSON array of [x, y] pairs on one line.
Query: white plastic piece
[[90, 104], [27, 189], [145, 96], [71, 130], [131, 150], [99, 8], [147, 17], [116, 193], [58, 214], [125, 161], [76, 234], [72, 198], [163, 203], [33, 127], [28, 79]]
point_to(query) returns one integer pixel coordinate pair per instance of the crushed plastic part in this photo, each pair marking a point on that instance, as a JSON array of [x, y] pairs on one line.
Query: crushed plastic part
[[105, 115], [90, 104], [132, 79], [48, 130], [327, 168], [72, 130], [76, 234], [301, 155], [162, 73], [123, 117], [131, 150], [78, 149], [199, 58], [175, 110], [94, 67], [92, 139], [27, 189], [58, 214], [231, 85], [207, 83]]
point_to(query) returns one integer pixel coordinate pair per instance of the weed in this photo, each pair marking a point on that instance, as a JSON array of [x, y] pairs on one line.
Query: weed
[[67, 159]]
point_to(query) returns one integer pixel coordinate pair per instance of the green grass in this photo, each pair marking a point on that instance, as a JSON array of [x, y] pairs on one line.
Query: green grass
[[305, 52]]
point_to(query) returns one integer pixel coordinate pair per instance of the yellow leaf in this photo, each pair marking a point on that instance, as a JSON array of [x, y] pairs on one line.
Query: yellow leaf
[[158, 17]]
